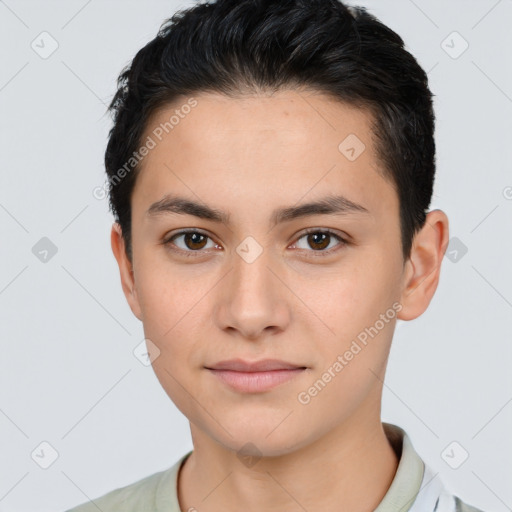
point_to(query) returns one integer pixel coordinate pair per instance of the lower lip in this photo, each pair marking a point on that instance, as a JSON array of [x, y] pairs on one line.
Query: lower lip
[[253, 382]]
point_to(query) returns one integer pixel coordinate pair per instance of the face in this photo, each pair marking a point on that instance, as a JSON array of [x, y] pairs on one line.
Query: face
[[291, 252]]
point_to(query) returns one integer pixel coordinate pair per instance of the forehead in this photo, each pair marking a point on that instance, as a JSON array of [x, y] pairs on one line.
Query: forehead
[[266, 147], [285, 119]]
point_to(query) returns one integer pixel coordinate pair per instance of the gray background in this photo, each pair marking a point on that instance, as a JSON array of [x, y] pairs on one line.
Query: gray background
[[68, 375]]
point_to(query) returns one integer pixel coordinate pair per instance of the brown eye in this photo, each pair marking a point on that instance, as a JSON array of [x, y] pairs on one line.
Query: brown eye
[[195, 240], [189, 241], [318, 240]]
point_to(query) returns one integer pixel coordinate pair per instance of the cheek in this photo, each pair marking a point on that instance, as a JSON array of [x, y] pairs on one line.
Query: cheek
[[349, 305], [345, 298], [172, 316], [167, 293]]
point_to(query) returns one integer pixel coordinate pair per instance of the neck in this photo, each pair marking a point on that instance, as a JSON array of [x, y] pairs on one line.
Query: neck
[[349, 469]]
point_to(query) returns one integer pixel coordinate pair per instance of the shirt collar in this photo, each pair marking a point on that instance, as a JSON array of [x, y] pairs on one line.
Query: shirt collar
[[408, 477], [399, 498]]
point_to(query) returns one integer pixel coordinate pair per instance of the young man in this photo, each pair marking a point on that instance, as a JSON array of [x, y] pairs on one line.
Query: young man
[[271, 165]]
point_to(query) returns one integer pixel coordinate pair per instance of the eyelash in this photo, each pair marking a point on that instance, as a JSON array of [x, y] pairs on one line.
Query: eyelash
[[320, 253]]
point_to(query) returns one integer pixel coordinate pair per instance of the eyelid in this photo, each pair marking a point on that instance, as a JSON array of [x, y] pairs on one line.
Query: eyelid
[[184, 231], [342, 239], [168, 241]]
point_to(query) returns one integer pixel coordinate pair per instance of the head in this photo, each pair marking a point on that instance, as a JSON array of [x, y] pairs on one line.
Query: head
[[294, 141]]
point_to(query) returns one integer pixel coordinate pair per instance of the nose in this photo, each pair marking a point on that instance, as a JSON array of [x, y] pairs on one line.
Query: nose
[[253, 301]]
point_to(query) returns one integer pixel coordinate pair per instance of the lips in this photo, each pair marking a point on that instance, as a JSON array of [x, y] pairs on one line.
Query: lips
[[255, 377], [264, 365]]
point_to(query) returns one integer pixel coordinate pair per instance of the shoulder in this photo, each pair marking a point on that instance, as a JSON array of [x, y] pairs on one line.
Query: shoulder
[[144, 495]]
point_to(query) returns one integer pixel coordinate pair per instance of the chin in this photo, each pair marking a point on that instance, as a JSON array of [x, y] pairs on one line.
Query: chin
[[260, 438]]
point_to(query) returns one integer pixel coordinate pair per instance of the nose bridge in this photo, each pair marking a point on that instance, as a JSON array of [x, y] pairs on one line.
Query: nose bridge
[[251, 277], [253, 299]]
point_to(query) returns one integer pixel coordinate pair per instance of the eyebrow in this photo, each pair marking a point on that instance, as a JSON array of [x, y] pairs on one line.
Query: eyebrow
[[333, 205]]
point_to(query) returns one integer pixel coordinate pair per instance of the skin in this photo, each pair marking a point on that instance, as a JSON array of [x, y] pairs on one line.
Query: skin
[[247, 157]]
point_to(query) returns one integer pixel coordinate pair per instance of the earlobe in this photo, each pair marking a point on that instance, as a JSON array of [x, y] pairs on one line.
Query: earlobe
[[125, 269], [424, 266]]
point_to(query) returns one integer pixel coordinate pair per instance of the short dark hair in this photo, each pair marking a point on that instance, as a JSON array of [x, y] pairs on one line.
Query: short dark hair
[[237, 47]]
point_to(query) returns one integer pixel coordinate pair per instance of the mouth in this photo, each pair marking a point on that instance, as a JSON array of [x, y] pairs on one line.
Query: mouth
[[254, 377]]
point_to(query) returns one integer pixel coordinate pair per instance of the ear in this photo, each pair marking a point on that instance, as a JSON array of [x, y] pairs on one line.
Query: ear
[[125, 269], [423, 268]]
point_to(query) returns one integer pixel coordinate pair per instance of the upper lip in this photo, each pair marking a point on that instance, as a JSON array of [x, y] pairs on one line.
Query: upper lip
[[239, 365]]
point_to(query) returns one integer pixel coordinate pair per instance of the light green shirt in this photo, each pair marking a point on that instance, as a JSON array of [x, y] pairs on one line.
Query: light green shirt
[[415, 487]]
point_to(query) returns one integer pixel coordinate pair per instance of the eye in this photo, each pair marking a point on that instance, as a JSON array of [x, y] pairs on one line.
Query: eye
[[321, 241], [189, 241]]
